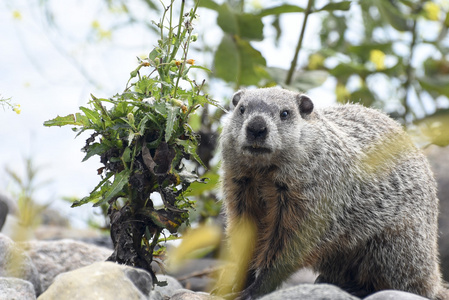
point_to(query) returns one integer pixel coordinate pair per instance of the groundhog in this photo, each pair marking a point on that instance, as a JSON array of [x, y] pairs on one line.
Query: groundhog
[[341, 190]]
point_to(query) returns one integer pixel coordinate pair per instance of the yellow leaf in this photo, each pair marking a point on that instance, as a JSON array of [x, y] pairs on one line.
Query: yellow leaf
[[205, 236], [241, 243]]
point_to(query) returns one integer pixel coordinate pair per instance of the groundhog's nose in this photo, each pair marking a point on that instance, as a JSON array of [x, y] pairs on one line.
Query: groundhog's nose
[[256, 130]]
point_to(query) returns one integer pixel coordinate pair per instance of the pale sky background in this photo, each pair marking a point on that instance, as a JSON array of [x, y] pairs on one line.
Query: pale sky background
[[38, 71]]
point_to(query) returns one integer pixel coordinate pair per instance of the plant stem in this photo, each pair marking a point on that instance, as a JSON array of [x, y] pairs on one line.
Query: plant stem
[[298, 46]]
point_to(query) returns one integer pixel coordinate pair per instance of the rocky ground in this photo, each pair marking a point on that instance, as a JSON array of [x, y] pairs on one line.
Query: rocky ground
[[68, 269], [61, 263]]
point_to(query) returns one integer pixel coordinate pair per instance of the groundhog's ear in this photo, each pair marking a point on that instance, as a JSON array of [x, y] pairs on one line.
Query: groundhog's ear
[[305, 105], [236, 97]]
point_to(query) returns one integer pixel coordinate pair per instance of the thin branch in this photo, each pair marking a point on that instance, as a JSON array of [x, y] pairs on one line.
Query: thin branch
[[298, 46], [409, 71]]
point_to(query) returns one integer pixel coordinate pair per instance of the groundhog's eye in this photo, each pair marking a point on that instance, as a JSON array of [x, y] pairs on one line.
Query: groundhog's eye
[[242, 109], [284, 114]]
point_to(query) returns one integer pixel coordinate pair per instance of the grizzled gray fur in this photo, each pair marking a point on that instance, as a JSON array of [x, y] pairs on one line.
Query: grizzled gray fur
[[341, 190]]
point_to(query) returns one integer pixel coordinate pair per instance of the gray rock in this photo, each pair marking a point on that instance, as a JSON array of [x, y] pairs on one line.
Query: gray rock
[[194, 275], [52, 217], [12, 205], [14, 262], [4, 210], [310, 292], [102, 280], [15, 288], [190, 295], [54, 257], [394, 295], [53, 232], [301, 276], [172, 286]]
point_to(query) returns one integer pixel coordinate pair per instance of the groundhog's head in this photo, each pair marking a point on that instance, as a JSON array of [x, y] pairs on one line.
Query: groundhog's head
[[265, 122]]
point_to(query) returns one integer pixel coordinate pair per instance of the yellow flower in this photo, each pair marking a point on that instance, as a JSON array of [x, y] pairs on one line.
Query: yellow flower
[[17, 109], [189, 61], [378, 58], [17, 15], [432, 11]]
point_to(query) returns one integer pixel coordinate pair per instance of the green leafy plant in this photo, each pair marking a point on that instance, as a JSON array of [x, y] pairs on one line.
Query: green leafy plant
[[143, 139]]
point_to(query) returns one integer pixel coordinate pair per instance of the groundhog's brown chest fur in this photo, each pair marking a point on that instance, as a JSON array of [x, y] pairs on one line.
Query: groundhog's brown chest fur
[[341, 190]]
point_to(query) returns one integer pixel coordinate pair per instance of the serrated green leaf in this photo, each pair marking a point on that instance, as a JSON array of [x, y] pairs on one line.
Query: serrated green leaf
[[190, 148], [126, 156], [198, 187], [95, 149], [95, 194], [344, 5], [281, 9], [80, 202], [91, 114], [72, 119], [172, 116], [120, 180]]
